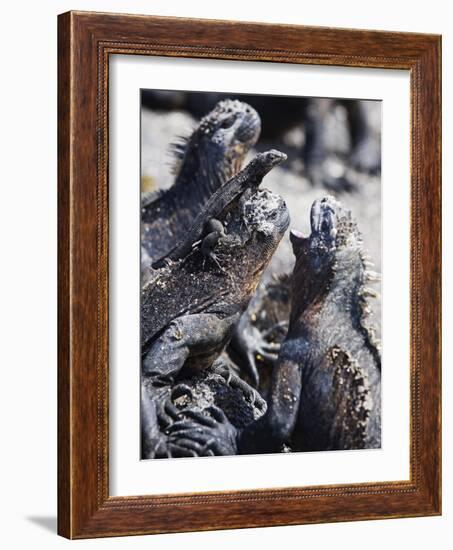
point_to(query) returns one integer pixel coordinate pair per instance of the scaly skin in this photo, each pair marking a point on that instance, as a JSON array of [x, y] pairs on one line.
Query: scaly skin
[[325, 388], [212, 155], [201, 291], [190, 307], [199, 416]]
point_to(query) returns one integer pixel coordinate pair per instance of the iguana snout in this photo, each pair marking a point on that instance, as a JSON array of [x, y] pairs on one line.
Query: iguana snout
[[333, 225], [332, 229], [323, 219], [232, 128], [235, 121]]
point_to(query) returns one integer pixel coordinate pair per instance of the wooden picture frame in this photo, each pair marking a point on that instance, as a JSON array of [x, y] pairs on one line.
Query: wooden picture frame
[[85, 42]]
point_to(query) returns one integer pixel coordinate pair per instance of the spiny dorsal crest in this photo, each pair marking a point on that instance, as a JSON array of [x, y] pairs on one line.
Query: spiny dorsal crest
[[348, 233], [367, 293], [178, 151]]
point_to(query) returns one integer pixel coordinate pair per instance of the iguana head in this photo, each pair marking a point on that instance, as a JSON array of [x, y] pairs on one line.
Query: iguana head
[[333, 231], [254, 229], [266, 215], [330, 259], [217, 148], [261, 165]]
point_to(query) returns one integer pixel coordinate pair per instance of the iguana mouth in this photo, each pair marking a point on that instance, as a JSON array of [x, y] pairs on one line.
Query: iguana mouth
[[244, 125], [239, 117], [250, 126]]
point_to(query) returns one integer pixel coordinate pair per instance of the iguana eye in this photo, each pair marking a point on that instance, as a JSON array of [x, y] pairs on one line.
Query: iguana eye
[[228, 122]]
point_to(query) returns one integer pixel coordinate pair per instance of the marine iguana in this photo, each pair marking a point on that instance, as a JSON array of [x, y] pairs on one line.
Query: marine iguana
[[253, 230], [205, 161], [308, 113], [325, 387], [189, 308]]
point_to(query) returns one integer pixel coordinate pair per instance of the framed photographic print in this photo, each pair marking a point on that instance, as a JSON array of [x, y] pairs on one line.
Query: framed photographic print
[[249, 275]]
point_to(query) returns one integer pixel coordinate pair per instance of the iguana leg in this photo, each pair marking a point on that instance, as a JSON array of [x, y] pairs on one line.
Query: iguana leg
[[207, 249], [187, 336], [284, 396], [214, 231], [235, 381], [247, 344], [153, 442], [275, 428]]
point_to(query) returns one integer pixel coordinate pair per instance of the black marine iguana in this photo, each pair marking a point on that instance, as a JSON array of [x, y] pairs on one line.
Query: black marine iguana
[[325, 388], [212, 155], [253, 229], [308, 113], [189, 310]]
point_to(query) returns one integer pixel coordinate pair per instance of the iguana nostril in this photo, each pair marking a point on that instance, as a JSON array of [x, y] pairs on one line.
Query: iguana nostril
[[325, 226], [228, 122]]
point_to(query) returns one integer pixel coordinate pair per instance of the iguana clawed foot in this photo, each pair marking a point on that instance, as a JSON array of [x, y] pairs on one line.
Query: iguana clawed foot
[[214, 232], [248, 345], [206, 433], [236, 382], [167, 412]]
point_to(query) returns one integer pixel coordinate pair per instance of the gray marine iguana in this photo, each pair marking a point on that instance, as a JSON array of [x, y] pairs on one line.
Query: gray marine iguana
[[205, 161], [189, 308], [325, 388], [253, 229]]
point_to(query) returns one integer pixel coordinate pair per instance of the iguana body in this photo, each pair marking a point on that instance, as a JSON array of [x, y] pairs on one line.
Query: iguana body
[[183, 290], [189, 308], [325, 389], [213, 154]]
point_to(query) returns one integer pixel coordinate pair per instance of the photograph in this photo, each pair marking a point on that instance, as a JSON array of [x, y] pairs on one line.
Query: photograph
[[260, 286], [249, 271]]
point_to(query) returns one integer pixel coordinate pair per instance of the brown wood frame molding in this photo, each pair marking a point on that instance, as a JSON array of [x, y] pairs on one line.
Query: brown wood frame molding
[[85, 42]]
